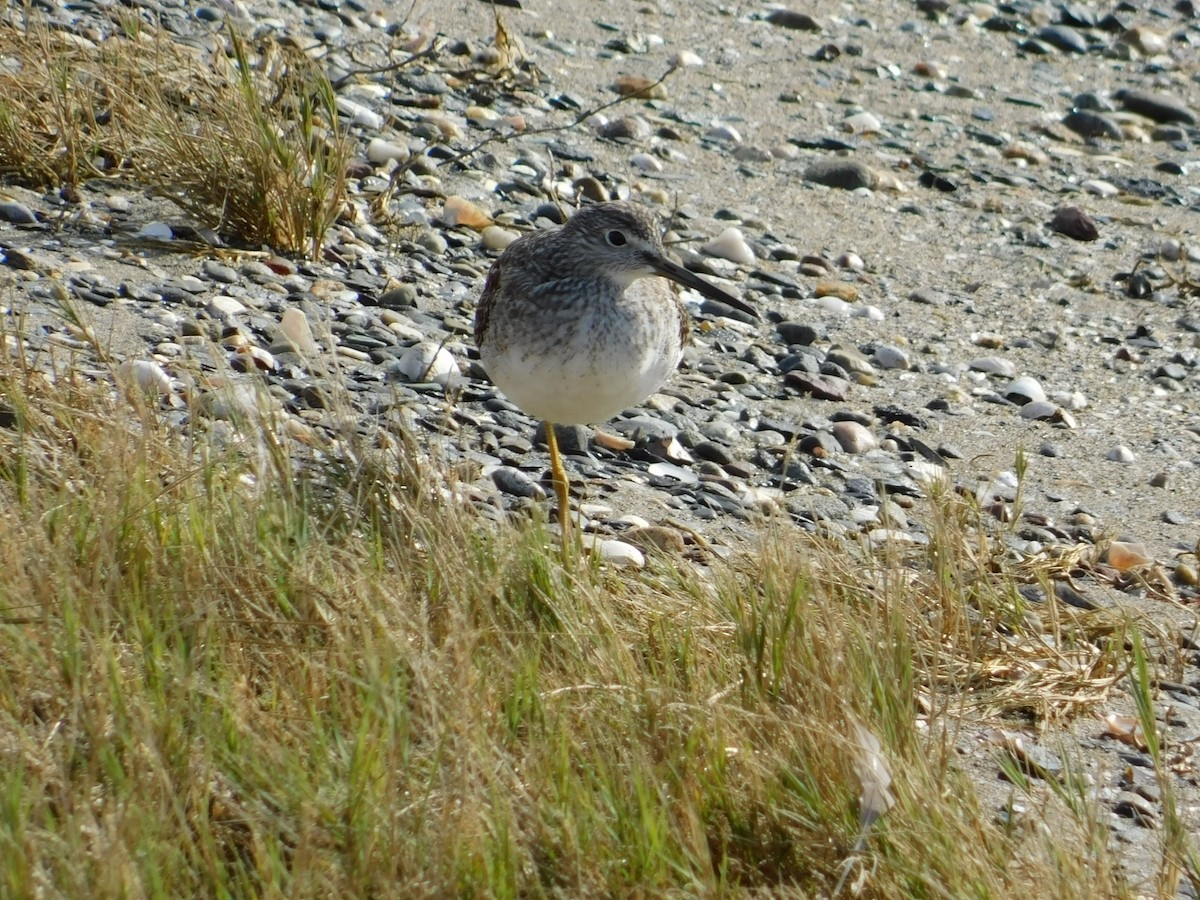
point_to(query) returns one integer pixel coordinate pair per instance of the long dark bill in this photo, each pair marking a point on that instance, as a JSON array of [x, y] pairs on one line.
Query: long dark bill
[[689, 279]]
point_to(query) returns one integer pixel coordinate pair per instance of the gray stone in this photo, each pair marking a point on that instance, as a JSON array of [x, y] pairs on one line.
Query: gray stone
[[1156, 106], [517, 483], [17, 213], [835, 172]]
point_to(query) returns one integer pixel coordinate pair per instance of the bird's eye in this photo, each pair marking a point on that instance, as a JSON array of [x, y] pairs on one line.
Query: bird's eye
[[616, 238]]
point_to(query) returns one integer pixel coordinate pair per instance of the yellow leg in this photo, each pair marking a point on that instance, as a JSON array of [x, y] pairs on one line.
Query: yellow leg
[[562, 487]]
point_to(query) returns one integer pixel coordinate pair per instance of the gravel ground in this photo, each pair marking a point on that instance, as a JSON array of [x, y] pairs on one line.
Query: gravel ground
[[971, 231]]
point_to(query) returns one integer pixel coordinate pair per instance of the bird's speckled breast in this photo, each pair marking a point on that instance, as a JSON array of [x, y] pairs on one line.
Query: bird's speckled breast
[[588, 361]]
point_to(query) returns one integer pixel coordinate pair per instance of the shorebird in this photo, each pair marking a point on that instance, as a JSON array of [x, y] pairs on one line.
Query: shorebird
[[574, 325]]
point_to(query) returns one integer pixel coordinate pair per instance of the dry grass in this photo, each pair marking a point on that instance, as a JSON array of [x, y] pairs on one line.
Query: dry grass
[[241, 668], [245, 140]]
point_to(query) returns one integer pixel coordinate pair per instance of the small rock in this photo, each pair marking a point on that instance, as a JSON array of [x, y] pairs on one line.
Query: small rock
[[156, 231], [222, 307], [882, 537], [431, 241], [1039, 409], [850, 359], [1100, 188], [822, 387], [655, 537], [238, 400], [862, 123], [853, 437], [836, 172], [1144, 41], [399, 296], [359, 114], [1075, 223], [1186, 573], [1026, 151], [797, 21], [686, 59], [889, 356], [1121, 454], [496, 238], [730, 245], [1063, 37], [1024, 390], [143, 377], [725, 134], [627, 128], [618, 553], [1159, 107], [215, 271], [797, 333], [516, 483], [294, 327], [646, 162], [380, 151], [426, 362], [639, 87], [821, 444], [458, 211], [1089, 124], [17, 213], [843, 290], [994, 365]]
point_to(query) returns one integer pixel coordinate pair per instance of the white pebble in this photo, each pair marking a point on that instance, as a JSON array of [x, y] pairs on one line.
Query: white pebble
[[1121, 454], [686, 59], [249, 359], [881, 537], [1070, 399], [221, 307], [1039, 409], [730, 245], [832, 304], [889, 356], [862, 123], [646, 162], [156, 231], [1100, 188], [359, 114], [482, 115], [619, 553], [726, 134], [994, 365], [1025, 390], [427, 362], [380, 151], [144, 376], [670, 470]]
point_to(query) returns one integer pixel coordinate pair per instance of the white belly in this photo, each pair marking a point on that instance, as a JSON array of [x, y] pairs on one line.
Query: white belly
[[584, 369]]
